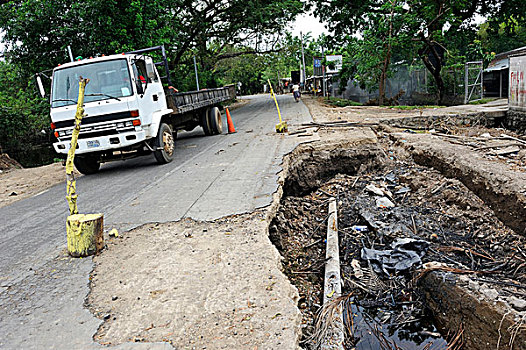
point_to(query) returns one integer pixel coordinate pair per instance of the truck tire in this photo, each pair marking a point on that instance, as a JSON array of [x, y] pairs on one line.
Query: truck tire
[[216, 120], [204, 121], [87, 165], [164, 144]]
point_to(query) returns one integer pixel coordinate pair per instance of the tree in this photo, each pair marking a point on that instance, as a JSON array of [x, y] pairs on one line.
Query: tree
[[368, 58], [22, 115], [38, 32], [430, 25]]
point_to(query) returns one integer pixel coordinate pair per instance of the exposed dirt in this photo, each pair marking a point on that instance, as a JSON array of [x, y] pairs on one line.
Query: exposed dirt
[[463, 233], [7, 163], [221, 285], [322, 112], [20, 183], [195, 285]]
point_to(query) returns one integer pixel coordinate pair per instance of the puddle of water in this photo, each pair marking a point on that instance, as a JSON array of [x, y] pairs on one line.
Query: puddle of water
[[402, 327]]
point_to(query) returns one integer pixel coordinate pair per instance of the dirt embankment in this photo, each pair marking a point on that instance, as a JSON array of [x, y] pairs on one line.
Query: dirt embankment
[[18, 183]]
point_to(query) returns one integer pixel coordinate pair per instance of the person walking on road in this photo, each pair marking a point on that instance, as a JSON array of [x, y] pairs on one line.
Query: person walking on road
[[296, 92]]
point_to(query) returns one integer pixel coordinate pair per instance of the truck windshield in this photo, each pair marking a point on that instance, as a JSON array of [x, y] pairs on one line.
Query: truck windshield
[[108, 79]]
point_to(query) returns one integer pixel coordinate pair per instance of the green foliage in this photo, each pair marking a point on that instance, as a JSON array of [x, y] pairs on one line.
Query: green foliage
[[498, 35], [431, 27], [23, 116], [38, 32], [482, 101], [341, 102]]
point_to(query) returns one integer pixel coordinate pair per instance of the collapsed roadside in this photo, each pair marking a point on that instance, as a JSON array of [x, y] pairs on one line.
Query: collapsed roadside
[[221, 284]]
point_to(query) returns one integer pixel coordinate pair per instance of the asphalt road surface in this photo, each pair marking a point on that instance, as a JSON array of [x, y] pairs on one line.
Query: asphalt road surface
[[42, 290]]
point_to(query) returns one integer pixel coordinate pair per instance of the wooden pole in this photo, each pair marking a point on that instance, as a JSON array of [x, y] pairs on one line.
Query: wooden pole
[[332, 289], [71, 195], [84, 231]]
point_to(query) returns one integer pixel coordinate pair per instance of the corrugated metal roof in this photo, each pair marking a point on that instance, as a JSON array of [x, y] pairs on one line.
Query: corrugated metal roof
[[506, 54], [495, 65]]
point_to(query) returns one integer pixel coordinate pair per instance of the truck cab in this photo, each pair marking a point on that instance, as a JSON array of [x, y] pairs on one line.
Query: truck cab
[[121, 99]]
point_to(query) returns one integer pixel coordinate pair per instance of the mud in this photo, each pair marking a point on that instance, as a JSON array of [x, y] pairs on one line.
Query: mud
[[472, 228]]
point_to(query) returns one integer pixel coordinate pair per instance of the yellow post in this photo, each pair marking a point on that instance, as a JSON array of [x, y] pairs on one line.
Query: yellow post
[[84, 231], [71, 184], [282, 126]]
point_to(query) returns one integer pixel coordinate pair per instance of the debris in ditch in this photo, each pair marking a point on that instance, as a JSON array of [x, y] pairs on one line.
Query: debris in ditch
[[373, 189], [357, 269], [461, 234], [507, 150], [384, 202], [403, 190], [406, 254]]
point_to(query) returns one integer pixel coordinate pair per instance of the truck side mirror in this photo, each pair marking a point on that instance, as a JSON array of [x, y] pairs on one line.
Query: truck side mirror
[[150, 71], [40, 86]]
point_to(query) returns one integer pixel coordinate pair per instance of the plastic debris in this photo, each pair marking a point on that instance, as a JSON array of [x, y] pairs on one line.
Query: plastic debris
[[406, 253], [384, 202], [373, 189], [403, 190], [357, 269], [358, 228], [391, 177]]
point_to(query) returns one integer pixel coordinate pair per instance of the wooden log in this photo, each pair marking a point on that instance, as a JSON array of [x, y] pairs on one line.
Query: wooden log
[[85, 234]]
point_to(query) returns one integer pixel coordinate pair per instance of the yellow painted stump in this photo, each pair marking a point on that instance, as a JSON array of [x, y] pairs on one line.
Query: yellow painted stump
[[85, 234]]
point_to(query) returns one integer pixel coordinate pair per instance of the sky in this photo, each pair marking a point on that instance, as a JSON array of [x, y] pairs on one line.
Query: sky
[[308, 23]]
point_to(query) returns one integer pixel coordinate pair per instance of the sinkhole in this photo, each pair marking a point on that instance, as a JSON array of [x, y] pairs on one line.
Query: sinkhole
[[425, 262]]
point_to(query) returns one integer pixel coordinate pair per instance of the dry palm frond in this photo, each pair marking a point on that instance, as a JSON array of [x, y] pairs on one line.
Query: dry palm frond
[[329, 326]]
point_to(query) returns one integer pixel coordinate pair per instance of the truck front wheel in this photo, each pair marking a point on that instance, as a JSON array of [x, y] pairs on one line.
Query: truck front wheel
[[87, 165], [164, 145]]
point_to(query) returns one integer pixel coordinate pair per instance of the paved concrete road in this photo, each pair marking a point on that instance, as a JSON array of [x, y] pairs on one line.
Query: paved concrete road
[[42, 290]]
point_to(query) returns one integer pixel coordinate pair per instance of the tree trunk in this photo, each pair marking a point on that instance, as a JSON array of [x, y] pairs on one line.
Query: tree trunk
[[381, 89], [387, 61], [435, 71], [85, 234]]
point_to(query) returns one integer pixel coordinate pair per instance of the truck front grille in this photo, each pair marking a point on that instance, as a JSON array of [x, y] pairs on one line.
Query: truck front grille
[[94, 120]]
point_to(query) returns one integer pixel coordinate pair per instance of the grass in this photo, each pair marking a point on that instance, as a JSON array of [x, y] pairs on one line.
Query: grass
[[341, 102], [410, 108], [482, 101]]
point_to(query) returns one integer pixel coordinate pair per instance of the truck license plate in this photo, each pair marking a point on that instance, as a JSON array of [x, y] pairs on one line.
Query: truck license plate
[[93, 144]]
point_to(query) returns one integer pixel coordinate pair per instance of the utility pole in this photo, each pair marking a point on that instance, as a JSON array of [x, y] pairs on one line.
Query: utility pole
[[323, 87], [196, 77], [70, 53], [303, 59]]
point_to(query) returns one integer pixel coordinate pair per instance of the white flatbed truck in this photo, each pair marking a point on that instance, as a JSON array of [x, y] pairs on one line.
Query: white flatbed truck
[[128, 111]]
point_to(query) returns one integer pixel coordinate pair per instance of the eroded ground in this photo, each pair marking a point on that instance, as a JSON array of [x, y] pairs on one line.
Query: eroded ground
[[20, 183], [195, 285], [460, 190], [221, 284]]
